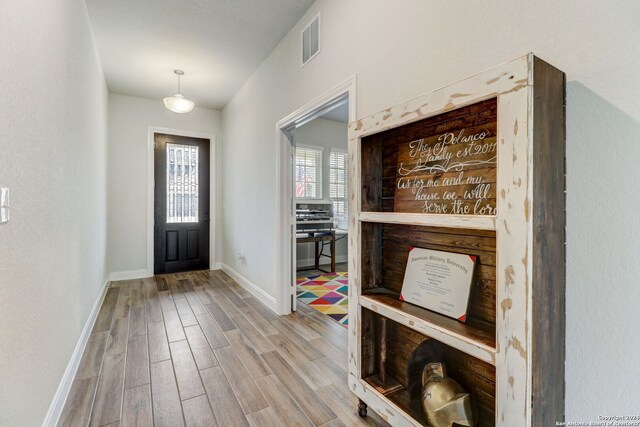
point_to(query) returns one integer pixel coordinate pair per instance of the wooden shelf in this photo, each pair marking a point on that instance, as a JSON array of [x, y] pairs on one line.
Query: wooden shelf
[[476, 342], [398, 353], [452, 171], [398, 402], [400, 397], [474, 222], [384, 387], [403, 400]]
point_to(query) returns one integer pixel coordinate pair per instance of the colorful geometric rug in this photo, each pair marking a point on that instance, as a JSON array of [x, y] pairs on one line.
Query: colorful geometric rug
[[326, 293]]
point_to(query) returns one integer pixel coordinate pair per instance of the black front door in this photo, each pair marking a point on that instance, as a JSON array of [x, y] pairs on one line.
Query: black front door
[[181, 231]]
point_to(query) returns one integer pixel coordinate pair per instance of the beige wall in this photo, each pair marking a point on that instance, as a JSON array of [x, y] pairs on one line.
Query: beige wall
[[401, 49], [53, 125], [129, 120]]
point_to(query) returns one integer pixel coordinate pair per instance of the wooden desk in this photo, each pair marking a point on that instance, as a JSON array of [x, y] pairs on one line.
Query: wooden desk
[[317, 237]]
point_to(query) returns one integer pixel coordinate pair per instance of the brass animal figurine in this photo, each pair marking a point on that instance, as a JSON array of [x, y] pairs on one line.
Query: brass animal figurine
[[443, 399]]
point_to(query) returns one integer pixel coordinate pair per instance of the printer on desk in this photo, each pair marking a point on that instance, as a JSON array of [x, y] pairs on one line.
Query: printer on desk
[[314, 218]]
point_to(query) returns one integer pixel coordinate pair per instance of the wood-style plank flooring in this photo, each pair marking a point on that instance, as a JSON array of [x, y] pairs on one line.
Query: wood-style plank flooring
[[196, 349]]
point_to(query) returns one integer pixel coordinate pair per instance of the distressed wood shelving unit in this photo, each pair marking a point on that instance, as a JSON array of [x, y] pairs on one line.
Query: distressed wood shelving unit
[[507, 208]]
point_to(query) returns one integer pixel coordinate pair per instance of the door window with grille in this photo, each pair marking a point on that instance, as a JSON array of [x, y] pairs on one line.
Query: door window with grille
[[182, 183]]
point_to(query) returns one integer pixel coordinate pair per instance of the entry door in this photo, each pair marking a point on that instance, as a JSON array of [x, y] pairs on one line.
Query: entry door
[[181, 231]]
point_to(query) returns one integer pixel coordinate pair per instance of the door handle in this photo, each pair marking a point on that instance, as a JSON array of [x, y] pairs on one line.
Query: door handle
[[206, 217]]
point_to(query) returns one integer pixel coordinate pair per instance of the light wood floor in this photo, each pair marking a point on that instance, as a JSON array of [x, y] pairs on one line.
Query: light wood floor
[[196, 349]]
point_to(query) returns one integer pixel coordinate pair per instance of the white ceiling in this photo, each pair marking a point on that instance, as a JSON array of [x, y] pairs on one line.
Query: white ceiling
[[338, 114], [218, 44]]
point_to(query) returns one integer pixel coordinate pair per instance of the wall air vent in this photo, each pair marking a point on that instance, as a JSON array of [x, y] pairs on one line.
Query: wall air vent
[[311, 40]]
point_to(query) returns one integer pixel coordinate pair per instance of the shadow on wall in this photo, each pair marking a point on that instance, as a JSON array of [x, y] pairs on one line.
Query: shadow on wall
[[603, 253]]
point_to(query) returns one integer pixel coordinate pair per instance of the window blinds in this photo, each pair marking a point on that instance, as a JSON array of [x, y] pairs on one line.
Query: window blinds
[[308, 173], [338, 183]]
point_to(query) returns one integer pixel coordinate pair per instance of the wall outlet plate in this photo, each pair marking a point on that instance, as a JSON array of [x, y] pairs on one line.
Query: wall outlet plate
[[4, 197], [4, 205]]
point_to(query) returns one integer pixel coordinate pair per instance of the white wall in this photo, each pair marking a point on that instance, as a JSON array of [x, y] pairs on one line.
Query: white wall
[[53, 158], [400, 50], [129, 120], [329, 134]]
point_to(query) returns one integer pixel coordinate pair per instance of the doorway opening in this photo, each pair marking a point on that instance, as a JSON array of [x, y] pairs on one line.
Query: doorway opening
[[321, 168], [314, 204]]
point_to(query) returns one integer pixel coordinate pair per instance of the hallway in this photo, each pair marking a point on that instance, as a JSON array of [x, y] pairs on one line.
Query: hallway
[[196, 349]]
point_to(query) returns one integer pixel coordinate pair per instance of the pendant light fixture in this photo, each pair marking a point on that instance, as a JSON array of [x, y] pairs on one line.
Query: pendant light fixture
[[178, 103]]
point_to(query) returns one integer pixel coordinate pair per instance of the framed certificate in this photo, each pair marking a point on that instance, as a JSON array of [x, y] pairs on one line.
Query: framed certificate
[[439, 281]]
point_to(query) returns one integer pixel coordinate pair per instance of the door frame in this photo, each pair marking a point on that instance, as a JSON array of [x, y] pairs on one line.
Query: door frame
[[285, 247], [151, 131]]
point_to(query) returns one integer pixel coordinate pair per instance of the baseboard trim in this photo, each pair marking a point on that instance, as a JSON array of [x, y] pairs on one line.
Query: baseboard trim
[[217, 266], [310, 262], [129, 275], [257, 292], [60, 398]]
